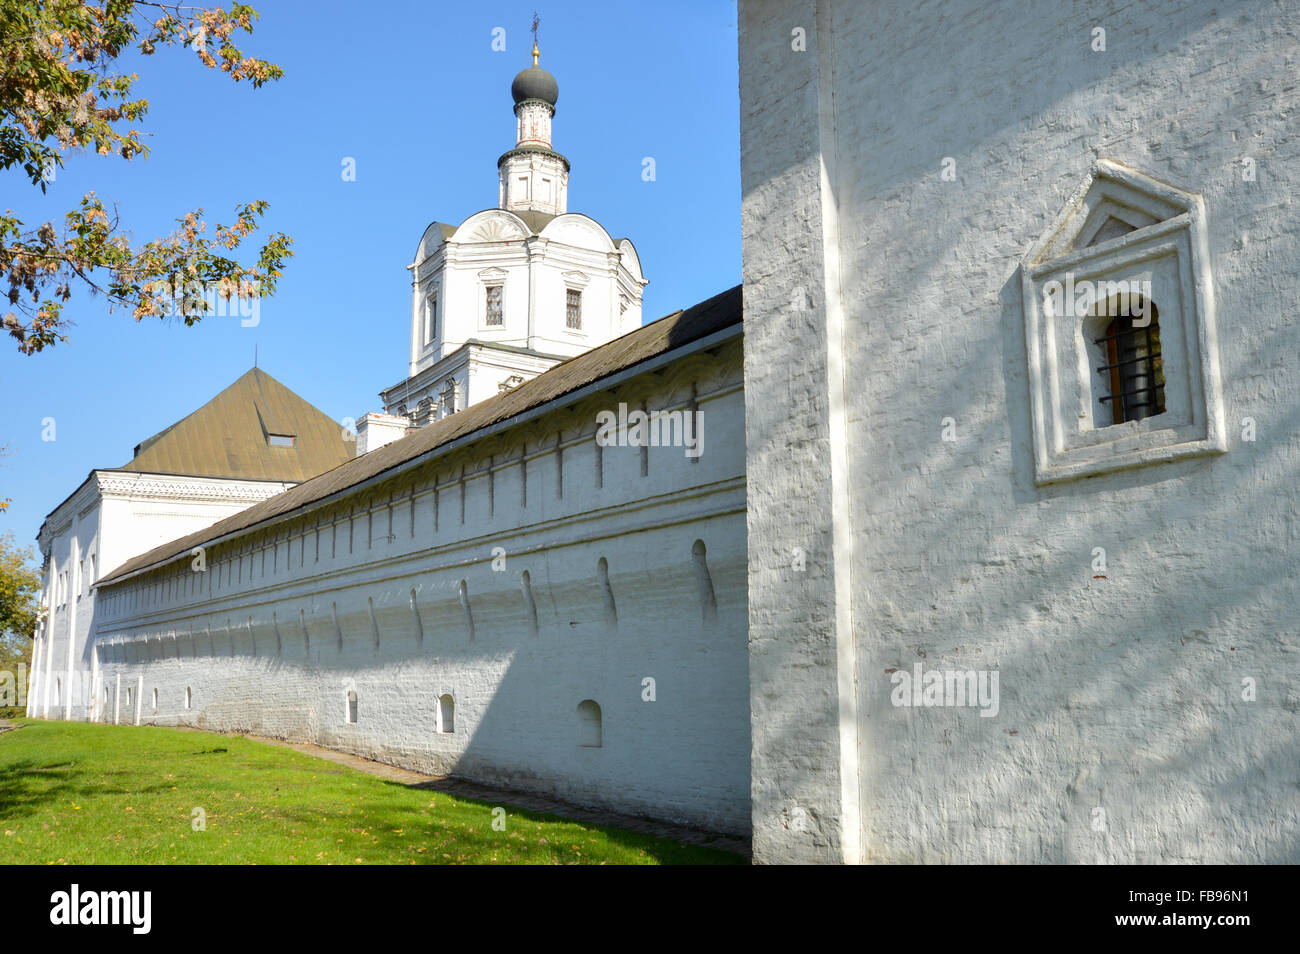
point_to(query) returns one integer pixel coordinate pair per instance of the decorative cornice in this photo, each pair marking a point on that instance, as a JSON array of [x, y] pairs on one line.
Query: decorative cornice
[[163, 488], [534, 101], [532, 151]]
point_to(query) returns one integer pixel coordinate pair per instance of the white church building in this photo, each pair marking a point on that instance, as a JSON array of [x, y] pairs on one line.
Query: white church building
[[511, 291], [974, 542]]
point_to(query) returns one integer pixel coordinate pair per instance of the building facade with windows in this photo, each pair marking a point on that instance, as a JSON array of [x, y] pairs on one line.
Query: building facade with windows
[[252, 441]]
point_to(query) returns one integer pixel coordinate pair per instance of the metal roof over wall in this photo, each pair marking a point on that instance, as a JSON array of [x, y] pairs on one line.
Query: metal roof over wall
[[621, 354]]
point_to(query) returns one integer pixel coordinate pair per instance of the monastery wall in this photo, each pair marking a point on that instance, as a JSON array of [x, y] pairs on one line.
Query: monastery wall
[[521, 575]]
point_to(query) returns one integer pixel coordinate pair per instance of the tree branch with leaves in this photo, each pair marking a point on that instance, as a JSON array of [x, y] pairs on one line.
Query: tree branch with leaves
[[20, 587], [60, 92]]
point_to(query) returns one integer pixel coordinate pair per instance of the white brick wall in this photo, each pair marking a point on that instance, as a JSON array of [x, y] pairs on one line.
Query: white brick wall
[[1121, 694], [684, 756]]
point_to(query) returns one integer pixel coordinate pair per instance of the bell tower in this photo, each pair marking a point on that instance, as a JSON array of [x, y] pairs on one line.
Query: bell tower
[[533, 176]]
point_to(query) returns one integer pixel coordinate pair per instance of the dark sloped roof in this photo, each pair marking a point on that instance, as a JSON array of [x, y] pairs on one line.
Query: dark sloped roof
[[227, 437], [646, 342]]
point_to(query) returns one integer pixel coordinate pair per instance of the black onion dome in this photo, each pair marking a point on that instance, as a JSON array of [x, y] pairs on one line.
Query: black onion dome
[[535, 83]]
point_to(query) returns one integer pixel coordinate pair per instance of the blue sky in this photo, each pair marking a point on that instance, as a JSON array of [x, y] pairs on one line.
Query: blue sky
[[414, 92]]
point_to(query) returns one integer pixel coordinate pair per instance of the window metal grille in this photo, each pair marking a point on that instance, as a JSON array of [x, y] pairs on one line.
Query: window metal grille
[[573, 309], [494, 316], [1135, 368]]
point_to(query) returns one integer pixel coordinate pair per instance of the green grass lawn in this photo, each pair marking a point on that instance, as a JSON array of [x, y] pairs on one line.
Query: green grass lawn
[[78, 793]]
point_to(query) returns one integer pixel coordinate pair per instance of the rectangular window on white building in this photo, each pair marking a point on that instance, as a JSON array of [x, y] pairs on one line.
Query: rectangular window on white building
[[430, 318], [573, 309], [494, 313]]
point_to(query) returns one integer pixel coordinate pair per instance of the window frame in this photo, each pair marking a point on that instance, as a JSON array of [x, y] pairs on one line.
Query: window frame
[[571, 290], [1171, 253], [430, 331], [500, 287]]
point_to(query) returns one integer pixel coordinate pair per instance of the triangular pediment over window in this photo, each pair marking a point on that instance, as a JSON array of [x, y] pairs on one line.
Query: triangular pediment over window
[[1113, 203], [1100, 399]]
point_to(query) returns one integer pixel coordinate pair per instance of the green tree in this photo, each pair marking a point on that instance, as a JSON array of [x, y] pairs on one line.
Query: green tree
[[59, 91], [20, 585]]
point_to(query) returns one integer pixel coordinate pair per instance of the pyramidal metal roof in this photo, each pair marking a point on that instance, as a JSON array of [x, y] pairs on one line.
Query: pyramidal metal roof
[[230, 436], [659, 338]]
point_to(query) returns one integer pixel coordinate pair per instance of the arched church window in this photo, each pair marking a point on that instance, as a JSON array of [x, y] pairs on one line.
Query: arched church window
[[449, 402], [1131, 366]]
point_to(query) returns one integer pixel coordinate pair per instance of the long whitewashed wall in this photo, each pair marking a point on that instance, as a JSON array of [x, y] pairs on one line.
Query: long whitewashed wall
[[414, 589]]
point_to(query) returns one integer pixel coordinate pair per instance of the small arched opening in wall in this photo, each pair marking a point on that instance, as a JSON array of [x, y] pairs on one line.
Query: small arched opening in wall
[[374, 622], [530, 605], [58, 690], [155, 701], [189, 698], [607, 594], [463, 589], [416, 622], [350, 707], [704, 583], [590, 729], [446, 713]]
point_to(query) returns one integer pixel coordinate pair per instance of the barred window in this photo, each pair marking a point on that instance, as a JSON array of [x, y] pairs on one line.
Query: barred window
[[494, 316], [1132, 364], [573, 309]]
